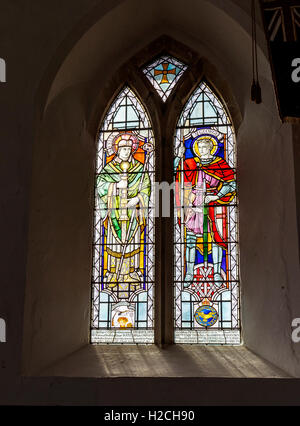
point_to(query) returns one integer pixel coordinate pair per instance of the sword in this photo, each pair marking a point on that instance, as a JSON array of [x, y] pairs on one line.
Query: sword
[[182, 209], [205, 226]]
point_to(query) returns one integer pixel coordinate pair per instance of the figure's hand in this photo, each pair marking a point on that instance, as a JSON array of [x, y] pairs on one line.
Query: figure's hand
[[122, 184], [181, 151], [192, 197], [209, 198], [133, 202]]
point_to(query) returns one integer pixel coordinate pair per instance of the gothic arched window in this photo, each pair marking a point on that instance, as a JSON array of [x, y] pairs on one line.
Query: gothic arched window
[[205, 241], [123, 265], [205, 274]]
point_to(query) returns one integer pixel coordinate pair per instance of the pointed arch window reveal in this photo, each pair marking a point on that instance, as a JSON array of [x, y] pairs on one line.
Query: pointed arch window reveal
[[123, 264], [206, 271]]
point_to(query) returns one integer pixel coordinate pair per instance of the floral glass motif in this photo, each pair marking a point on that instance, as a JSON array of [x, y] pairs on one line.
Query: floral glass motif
[[123, 250], [206, 272], [164, 74]]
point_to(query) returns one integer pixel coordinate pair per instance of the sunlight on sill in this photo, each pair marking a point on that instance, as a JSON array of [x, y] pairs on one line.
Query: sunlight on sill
[[109, 361]]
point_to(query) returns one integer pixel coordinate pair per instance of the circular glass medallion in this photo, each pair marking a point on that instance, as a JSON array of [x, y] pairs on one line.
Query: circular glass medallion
[[206, 316]]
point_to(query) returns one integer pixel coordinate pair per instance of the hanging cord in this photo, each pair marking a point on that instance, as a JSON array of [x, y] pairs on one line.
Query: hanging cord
[[255, 88]]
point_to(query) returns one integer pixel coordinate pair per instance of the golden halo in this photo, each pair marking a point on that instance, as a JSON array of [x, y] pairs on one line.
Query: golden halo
[[131, 139], [213, 150]]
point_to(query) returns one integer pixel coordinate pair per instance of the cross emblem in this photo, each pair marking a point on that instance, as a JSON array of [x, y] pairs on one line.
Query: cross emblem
[[165, 72]]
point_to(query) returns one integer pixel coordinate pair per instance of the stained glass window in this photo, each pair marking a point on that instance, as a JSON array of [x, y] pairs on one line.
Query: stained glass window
[[164, 73], [206, 269], [123, 248], [206, 274]]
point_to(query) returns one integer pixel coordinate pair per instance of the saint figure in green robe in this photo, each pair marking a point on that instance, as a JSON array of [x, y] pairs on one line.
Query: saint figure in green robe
[[124, 190]]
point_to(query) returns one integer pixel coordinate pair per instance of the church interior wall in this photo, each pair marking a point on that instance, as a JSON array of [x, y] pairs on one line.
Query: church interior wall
[[54, 161]]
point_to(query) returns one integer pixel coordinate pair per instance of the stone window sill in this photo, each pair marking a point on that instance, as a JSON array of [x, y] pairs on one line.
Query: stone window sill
[[112, 361]]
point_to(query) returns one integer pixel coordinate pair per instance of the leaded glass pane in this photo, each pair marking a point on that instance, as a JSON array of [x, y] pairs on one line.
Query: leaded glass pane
[[123, 254], [163, 74], [206, 271]]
